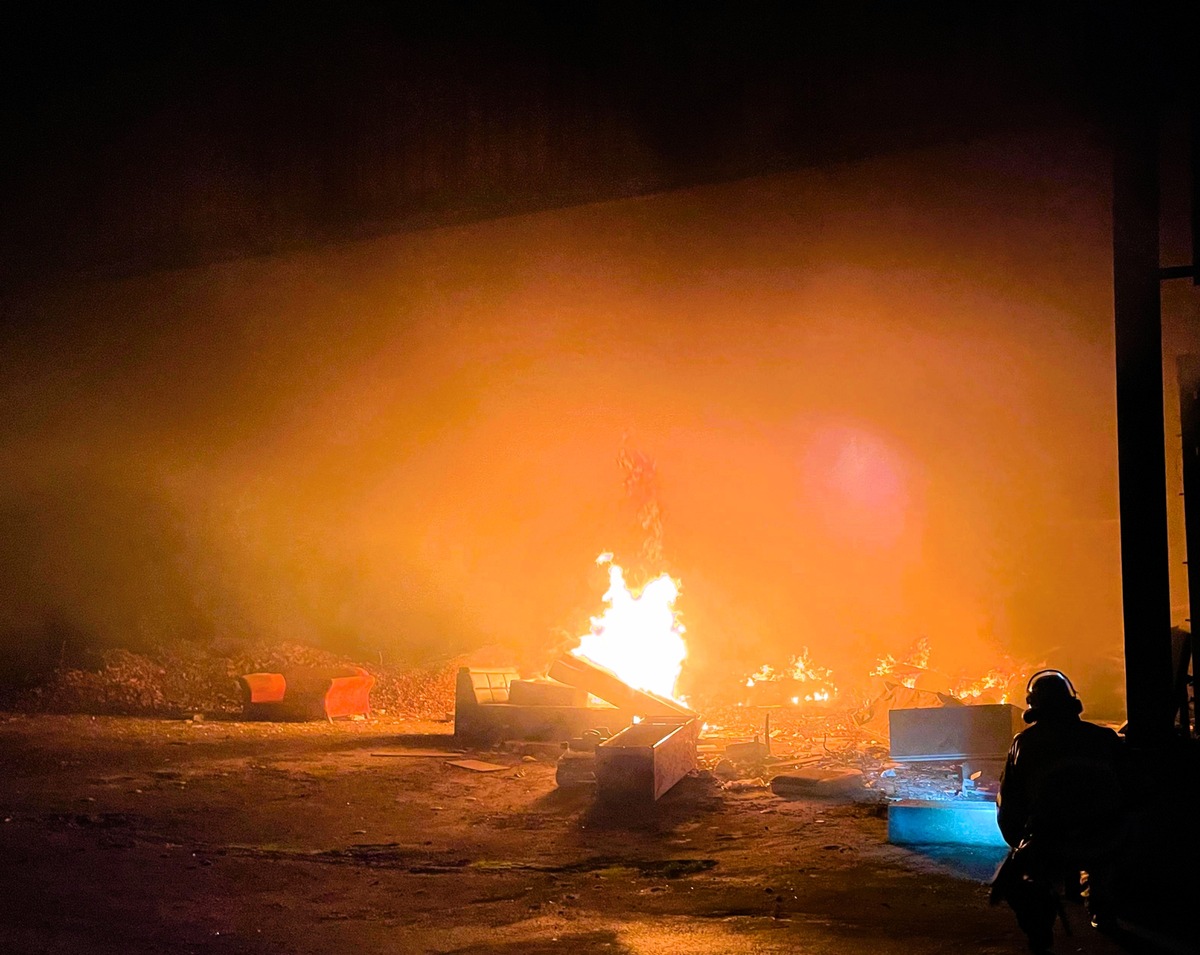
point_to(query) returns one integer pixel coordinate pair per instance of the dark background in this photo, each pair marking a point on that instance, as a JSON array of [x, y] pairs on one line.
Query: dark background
[[144, 139]]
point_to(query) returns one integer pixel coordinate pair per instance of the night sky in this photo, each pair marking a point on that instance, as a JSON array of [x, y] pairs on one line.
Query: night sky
[[333, 328]]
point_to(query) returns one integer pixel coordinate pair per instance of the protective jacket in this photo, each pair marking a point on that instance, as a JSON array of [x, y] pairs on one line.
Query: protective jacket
[[1062, 788]]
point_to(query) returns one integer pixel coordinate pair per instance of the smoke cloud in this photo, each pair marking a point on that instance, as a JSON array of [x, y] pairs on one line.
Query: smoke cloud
[[878, 399]]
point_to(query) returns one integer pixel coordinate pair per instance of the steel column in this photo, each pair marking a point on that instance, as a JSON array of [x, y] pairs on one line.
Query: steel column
[[1141, 441]]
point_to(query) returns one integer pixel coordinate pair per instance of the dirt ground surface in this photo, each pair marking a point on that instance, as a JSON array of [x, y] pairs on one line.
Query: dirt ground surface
[[134, 835]]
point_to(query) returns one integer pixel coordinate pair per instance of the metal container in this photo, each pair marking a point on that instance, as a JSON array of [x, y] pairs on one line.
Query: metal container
[[983, 731], [646, 759]]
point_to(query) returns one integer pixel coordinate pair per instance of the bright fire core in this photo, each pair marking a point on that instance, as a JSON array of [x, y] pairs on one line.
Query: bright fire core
[[638, 637]]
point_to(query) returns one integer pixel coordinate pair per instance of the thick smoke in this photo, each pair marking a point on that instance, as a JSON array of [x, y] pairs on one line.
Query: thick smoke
[[879, 399]]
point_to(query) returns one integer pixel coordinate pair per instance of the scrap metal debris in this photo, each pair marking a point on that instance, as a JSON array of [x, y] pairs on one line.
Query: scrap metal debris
[[840, 749], [476, 765], [422, 753]]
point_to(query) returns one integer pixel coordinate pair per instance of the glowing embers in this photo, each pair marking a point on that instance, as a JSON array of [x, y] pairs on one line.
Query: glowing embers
[[995, 686], [1000, 684], [639, 636], [801, 681], [907, 670]]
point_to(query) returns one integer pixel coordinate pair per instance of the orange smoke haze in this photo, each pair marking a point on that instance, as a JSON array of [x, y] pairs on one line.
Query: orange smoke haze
[[879, 399]]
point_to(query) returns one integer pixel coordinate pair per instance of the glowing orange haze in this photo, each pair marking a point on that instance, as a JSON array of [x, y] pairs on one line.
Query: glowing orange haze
[[880, 400]]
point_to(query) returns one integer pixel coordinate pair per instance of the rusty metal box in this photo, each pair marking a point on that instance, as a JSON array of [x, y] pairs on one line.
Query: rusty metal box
[[646, 759]]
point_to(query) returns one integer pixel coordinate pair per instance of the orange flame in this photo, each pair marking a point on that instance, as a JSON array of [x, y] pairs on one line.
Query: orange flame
[[1001, 684], [639, 636], [800, 669], [917, 658]]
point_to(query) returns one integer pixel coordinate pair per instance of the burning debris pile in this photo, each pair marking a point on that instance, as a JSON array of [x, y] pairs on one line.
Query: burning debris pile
[[787, 715], [907, 670], [800, 681], [790, 728], [639, 636], [611, 700], [1000, 684]]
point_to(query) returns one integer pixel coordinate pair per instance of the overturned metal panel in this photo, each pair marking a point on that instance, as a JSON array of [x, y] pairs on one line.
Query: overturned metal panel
[[488, 709], [493, 705], [607, 686], [953, 732], [645, 760]]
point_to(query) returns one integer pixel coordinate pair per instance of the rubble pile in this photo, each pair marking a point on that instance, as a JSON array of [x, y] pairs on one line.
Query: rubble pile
[[836, 747], [930, 782], [425, 693], [184, 677], [121, 682]]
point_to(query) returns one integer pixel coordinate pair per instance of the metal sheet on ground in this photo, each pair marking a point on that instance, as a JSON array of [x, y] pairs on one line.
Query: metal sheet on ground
[[476, 765], [422, 753]]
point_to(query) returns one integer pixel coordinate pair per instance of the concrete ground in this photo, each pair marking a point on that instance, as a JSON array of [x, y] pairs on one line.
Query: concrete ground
[[123, 835]]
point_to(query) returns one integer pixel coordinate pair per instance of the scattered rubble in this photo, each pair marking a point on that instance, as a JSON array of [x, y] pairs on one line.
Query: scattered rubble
[[821, 783], [186, 679], [838, 750], [835, 747]]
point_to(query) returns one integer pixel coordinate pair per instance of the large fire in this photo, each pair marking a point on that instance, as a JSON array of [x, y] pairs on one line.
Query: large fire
[[640, 639], [639, 636]]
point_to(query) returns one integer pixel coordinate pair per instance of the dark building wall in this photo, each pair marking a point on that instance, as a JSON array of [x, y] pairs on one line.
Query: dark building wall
[[146, 140]]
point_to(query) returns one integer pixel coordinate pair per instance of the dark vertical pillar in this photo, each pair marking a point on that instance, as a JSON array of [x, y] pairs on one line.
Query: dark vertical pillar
[[1195, 150], [1141, 441], [1189, 419]]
